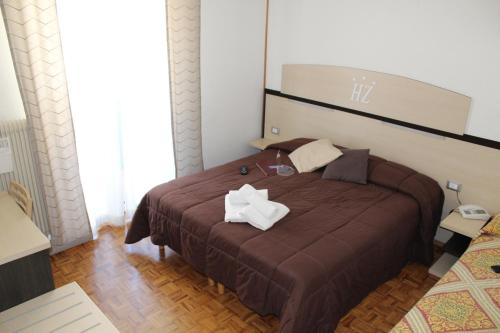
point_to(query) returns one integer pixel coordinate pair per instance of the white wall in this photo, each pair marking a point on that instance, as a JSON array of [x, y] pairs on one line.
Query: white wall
[[232, 74], [454, 44], [11, 105]]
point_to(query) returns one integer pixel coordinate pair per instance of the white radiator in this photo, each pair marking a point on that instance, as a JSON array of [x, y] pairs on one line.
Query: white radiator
[[24, 169]]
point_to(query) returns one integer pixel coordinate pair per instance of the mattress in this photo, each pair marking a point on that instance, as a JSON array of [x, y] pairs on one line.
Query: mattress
[[339, 241]]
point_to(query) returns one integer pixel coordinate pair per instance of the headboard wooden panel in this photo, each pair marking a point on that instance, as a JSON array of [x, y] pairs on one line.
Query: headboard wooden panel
[[381, 94], [440, 157]]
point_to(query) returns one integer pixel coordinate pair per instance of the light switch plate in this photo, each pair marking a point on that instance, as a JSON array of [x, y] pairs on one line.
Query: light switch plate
[[454, 186], [275, 130]]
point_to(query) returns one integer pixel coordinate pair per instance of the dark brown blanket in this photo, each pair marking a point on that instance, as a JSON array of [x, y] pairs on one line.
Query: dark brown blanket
[[339, 241]]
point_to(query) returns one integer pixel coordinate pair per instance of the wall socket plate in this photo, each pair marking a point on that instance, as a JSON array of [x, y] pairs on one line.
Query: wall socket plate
[[454, 186], [275, 130]]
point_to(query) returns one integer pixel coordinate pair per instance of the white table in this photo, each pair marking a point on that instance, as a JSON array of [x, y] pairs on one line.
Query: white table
[[65, 309], [262, 143], [19, 236], [25, 270], [467, 227]]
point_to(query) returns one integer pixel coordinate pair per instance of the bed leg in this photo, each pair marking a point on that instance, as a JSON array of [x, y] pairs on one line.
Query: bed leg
[[220, 288], [211, 282], [162, 250]]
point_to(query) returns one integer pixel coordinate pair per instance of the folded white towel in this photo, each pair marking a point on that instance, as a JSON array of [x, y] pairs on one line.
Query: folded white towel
[[241, 196], [233, 211], [265, 207], [256, 219]]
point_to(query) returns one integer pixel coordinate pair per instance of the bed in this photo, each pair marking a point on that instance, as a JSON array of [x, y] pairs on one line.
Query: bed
[[466, 299], [339, 241]]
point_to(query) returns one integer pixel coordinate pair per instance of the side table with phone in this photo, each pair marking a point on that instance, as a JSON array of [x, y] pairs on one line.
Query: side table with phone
[[465, 222]]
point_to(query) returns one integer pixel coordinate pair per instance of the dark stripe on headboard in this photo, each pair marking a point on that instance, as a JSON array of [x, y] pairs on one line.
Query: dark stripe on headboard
[[467, 138]]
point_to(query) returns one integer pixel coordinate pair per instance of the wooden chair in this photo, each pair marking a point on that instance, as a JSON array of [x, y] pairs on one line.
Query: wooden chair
[[22, 197]]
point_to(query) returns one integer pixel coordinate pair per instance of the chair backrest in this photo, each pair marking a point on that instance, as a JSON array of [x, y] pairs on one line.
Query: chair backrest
[[22, 197]]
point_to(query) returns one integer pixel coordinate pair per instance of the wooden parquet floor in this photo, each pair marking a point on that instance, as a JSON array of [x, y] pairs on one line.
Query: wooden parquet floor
[[141, 292]]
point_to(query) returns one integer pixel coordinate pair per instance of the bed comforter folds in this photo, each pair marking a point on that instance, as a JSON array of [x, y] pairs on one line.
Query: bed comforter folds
[[339, 241]]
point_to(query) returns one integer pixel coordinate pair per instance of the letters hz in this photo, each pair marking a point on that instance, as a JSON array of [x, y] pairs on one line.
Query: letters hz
[[361, 91]]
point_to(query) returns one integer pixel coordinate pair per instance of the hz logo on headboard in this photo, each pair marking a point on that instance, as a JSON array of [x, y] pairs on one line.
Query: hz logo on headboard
[[361, 90]]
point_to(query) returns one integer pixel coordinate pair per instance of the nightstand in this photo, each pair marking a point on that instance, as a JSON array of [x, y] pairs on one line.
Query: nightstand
[[262, 143], [463, 231]]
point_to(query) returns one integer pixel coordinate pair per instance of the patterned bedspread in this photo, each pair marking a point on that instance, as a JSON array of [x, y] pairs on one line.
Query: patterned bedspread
[[466, 299]]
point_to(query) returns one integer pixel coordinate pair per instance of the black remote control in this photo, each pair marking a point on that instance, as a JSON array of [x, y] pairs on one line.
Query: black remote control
[[243, 170]]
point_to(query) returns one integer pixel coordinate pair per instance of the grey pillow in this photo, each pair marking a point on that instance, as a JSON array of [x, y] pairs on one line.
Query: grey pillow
[[352, 166]]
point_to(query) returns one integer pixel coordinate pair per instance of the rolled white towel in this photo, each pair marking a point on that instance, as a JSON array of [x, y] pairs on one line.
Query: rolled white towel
[[240, 196], [265, 207], [233, 211], [251, 215]]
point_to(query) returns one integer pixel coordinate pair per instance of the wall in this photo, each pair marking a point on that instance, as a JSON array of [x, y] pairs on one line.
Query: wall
[[11, 105], [232, 74], [450, 43]]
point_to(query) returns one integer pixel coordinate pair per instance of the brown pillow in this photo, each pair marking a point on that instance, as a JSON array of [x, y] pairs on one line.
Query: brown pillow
[[290, 145], [352, 166]]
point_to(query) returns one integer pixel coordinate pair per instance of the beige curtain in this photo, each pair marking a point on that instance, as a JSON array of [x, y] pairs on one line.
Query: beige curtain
[[183, 18], [33, 32]]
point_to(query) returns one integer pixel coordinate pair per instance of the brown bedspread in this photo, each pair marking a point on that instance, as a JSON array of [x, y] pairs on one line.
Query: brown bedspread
[[339, 241]]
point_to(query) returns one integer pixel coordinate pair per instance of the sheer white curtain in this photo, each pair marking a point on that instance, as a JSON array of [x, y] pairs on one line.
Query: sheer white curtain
[[116, 59]]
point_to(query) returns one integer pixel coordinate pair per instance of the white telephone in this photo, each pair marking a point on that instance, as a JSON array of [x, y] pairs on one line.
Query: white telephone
[[473, 212]]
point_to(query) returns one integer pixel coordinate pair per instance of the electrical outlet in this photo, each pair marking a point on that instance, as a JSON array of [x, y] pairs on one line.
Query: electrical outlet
[[275, 130], [454, 186]]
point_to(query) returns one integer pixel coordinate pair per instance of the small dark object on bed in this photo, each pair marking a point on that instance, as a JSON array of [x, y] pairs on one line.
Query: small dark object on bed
[[243, 170], [496, 268]]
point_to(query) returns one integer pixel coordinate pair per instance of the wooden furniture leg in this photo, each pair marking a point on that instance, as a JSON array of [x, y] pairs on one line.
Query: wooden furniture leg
[[220, 288], [162, 250], [211, 282]]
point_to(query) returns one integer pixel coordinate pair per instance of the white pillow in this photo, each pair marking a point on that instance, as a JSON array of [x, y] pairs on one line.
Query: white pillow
[[314, 155]]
